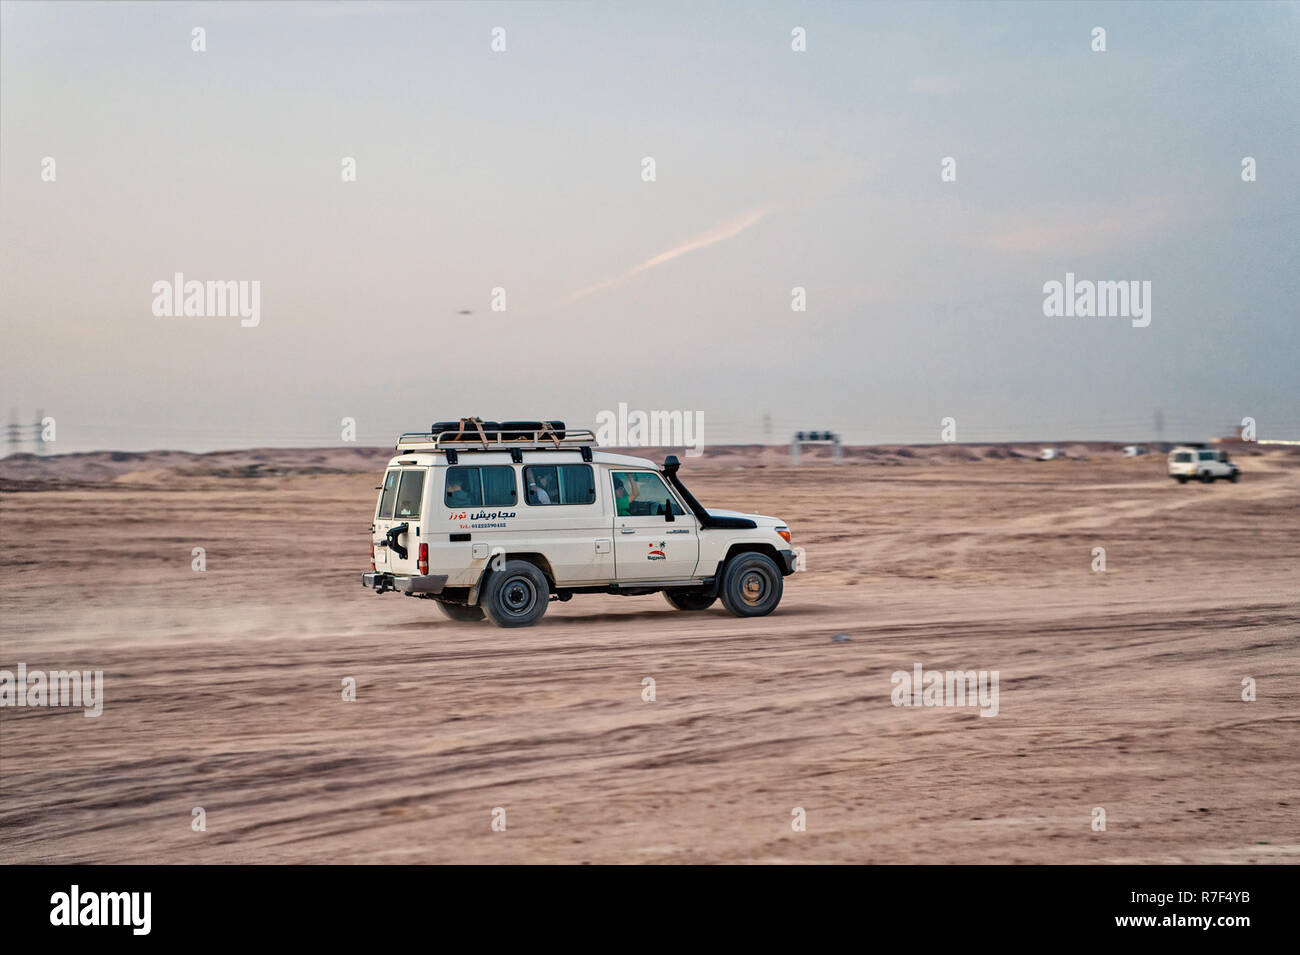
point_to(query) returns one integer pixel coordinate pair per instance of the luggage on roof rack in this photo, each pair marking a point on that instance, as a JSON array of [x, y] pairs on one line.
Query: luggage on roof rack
[[472, 433], [471, 429], [514, 430]]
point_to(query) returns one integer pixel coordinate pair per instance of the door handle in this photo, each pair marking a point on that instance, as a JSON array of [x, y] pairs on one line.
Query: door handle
[[628, 530]]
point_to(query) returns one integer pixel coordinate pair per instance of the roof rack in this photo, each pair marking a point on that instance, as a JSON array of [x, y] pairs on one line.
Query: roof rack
[[545, 439]]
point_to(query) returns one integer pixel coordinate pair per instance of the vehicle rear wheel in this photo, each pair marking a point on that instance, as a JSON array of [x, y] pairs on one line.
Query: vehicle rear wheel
[[516, 595], [460, 611], [751, 585], [689, 599], [1182, 479]]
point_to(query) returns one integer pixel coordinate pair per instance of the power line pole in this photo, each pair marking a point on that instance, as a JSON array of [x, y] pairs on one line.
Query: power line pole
[[14, 431]]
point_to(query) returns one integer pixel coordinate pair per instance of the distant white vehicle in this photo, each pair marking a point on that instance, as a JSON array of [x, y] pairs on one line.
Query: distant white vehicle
[[1048, 454], [1133, 450], [1204, 464]]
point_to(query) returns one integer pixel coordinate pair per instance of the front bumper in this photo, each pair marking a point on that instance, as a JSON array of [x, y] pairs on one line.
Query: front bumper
[[427, 584], [788, 559]]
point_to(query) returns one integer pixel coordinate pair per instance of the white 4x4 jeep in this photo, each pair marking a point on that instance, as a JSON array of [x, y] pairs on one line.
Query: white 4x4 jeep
[[500, 518], [1203, 464]]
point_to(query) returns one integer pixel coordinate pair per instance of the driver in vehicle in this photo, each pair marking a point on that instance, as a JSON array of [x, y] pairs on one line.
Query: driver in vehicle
[[622, 503]]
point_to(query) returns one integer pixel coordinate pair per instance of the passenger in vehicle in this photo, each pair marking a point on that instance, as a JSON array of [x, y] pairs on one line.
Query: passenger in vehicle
[[623, 504], [546, 493], [457, 496]]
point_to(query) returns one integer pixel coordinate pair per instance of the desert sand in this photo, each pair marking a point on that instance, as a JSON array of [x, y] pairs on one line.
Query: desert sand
[[1119, 690]]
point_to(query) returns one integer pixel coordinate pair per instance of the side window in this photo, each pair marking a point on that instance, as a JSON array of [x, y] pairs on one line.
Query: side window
[[390, 492], [492, 486], [1207, 455], [642, 494], [464, 488], [408, 495], [577, 484], [559, 484], [499, 486]]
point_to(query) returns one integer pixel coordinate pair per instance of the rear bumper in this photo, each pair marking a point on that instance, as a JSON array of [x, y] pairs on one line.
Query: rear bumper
[[427, 584]]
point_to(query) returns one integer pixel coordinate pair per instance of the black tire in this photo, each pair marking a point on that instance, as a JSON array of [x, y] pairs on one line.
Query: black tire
[[751, 585], [1182, 479], [689, 599], [1207, 477], [516, 595], [460, 612], [1234, 476]]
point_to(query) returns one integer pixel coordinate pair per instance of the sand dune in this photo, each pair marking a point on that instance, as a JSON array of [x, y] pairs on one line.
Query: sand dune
[[142, 466]]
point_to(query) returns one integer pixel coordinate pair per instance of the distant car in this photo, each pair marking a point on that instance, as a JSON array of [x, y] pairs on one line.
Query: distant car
[[1048, 454], [1204, 464], [1134, 450]]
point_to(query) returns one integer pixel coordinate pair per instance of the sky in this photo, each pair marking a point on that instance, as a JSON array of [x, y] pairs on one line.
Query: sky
[[524, 170]]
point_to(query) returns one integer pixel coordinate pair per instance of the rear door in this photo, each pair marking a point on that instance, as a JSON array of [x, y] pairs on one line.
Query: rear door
[[397, 520], [648, 546], [384, 517]]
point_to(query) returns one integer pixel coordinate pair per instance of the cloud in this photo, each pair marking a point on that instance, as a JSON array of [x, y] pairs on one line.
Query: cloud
[[719, 233], [1086, 227]]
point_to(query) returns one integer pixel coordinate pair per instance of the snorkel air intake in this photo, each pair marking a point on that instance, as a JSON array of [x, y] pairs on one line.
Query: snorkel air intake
[[671, 464]]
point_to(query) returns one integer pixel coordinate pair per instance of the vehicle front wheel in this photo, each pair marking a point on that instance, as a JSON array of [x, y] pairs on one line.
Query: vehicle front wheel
[[751, 585], [1234, 476], [1207, 477], [461, 612], [516, 595], [689, 599]]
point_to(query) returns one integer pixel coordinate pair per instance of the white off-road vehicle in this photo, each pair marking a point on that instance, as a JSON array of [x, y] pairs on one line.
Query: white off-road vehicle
[[1204, 464], [501, 518]]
